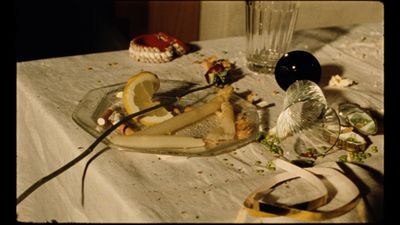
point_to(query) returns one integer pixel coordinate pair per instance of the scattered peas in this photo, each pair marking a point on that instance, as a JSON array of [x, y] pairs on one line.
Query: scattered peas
[[271, 142], [271, 166], [342, 158], [260, 171], [359, 157], [374, 149]]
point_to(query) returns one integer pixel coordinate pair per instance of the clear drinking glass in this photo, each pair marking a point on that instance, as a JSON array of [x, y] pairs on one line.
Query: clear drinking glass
[[269, 30], [307, 126]]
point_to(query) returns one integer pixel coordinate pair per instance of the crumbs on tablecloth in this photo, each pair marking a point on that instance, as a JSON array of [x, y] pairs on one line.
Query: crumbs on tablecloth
[[198, 53], [252, 97], [275, 92], [360, 156], [259, 171], [207, 62], [119, 94], [263, 104], [374, 149], [113, 63], [338, 81], [269, 165]]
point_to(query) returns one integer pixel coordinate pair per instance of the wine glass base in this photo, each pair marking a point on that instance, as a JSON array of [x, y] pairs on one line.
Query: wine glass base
[[261, 68]]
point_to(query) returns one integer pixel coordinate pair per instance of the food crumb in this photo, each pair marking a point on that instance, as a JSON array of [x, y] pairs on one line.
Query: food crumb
[[259, 171], [252, 97], [374, 149], [339, 81], [176, 111], [119, 94], [263, 104], [275, 92]]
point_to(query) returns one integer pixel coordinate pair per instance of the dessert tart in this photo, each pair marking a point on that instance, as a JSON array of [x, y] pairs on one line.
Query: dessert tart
[[156, 48]]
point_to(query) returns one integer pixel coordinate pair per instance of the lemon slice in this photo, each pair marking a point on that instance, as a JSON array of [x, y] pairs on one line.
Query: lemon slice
[[138, 94]]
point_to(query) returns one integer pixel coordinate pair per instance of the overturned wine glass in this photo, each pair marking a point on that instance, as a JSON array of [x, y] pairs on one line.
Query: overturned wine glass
[[307, 127]]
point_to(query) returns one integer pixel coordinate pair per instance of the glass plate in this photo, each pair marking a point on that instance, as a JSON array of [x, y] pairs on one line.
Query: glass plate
[[96, 101]]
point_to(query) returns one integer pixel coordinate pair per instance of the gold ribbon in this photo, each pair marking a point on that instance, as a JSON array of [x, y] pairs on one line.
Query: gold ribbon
[[308, 210]]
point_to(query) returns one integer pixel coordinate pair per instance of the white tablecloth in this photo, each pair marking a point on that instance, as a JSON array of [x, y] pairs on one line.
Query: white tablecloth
[[139, 187]]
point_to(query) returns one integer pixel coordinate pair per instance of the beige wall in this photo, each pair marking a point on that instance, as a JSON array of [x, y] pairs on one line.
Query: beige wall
[[220, 19]]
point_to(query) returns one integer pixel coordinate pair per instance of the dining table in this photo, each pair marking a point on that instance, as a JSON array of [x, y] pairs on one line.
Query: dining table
[[140, 187]]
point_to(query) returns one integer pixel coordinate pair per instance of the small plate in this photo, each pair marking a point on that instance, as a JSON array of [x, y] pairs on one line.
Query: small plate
[[96, 101]]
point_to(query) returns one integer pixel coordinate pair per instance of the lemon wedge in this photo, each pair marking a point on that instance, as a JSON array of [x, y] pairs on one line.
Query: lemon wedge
[[137, 95]]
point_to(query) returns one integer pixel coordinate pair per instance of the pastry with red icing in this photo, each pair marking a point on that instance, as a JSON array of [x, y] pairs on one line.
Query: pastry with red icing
[[156, 48]]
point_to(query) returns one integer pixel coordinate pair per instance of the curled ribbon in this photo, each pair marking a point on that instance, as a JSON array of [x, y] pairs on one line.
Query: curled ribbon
[[254, 204]]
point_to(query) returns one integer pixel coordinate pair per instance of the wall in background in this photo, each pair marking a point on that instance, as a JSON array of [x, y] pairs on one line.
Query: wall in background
[[219, 19], [176, 18], [47, 28], [55, 28]]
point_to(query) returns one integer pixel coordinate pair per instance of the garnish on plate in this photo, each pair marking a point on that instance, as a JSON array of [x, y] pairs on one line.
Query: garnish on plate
[[218, 72]]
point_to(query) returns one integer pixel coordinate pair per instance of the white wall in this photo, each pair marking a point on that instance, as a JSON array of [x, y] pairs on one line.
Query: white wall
[[219, 19]]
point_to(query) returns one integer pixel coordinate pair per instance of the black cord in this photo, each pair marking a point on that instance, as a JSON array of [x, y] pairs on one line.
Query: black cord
[[47, 178], [84, 173]]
